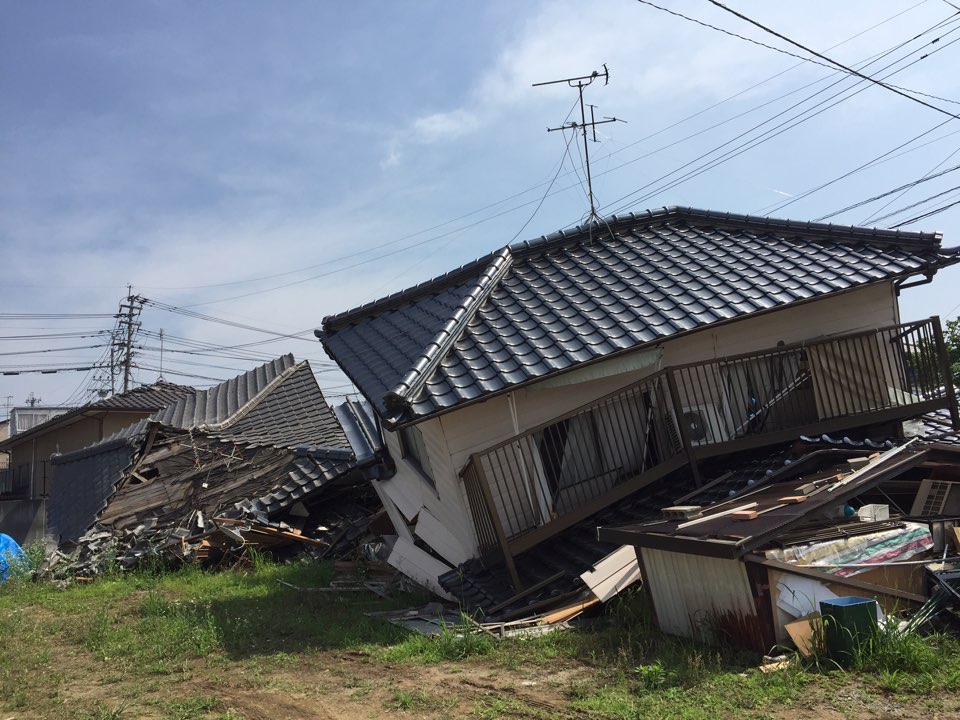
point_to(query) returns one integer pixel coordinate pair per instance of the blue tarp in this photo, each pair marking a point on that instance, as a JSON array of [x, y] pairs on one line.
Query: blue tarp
[[10, 554]]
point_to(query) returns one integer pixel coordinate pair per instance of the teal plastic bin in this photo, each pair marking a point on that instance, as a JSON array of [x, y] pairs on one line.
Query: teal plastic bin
[[848, 622]]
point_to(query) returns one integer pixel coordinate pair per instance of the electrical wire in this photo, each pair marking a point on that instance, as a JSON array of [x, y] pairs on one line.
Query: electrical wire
[[573, 170], [894, 191], [831, 61], [930, 174], [766, 135], [925, 215]]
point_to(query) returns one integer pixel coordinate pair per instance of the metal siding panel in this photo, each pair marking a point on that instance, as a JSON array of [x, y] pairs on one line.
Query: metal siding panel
[[686, 589]]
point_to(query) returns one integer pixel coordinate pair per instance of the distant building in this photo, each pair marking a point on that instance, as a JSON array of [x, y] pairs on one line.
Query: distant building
[[28, 417]]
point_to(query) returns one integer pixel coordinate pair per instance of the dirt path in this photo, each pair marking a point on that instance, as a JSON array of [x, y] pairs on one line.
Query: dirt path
[[356, 686]]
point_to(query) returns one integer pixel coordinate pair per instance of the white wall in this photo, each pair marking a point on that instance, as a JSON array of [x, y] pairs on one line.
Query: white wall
[[451, 439]]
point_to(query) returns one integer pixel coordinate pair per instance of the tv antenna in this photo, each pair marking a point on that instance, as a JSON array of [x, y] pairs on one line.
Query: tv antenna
[[580, 83]]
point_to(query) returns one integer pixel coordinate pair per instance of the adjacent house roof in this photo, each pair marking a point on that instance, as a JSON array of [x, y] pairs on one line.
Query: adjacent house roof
[[542, 307], [145, 399]]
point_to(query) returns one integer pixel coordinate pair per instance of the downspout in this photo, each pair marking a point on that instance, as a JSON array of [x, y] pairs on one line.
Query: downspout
[[33, 467]]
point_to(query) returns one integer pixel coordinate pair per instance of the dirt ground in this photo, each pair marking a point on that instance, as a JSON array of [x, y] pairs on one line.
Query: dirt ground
[[354, 686]]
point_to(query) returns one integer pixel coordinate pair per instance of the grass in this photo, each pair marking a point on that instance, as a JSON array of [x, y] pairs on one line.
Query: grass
[[194, 644]]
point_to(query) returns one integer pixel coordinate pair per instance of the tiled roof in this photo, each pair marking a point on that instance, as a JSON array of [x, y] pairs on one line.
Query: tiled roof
[[278, 403], [221, 402], [146, 399], [290, 413], [542, 307]]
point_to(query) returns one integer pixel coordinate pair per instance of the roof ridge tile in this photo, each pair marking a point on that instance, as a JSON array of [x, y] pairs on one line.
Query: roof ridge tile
[[434, 352]]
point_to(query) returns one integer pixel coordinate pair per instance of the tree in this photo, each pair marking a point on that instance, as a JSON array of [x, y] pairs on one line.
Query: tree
[[951, 338]]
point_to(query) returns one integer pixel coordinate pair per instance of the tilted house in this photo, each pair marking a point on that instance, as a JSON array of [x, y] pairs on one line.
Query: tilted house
[[26, 484], [536, 386], [255, 445]]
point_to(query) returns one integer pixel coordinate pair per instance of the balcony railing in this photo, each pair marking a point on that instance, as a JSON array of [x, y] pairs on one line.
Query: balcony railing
[[547, 478]]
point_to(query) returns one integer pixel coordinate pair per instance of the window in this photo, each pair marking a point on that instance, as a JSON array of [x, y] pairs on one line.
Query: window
[[414, 451]]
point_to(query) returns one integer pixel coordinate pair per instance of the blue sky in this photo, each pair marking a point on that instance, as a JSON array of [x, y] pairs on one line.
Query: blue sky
[[190, 149]]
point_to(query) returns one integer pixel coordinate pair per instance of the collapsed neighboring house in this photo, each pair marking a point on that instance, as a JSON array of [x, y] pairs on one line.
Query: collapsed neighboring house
[[41, 432], [260, 446], [526, 392]]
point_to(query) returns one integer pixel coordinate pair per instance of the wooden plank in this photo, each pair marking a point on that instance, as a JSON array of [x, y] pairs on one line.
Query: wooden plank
[[707, 518], [569, 612], [617, 571]]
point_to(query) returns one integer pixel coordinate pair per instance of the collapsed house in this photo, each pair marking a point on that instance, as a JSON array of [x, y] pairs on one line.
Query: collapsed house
[[258, 456], [41, 432], [836, 518], [593, 375]]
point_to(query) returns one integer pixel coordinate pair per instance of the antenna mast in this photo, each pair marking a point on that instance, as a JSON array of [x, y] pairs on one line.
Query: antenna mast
[[580, 83]]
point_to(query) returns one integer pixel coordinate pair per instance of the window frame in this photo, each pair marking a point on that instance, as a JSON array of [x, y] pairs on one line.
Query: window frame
[[413, 449]]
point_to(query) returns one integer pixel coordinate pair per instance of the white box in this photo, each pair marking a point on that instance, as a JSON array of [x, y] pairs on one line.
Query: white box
[[872, 513]]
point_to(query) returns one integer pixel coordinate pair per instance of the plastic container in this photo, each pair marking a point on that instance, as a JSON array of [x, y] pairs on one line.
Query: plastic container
[[848, 622]]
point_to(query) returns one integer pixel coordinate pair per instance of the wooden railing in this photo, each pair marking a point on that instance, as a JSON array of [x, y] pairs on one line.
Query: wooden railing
[[533, 485]]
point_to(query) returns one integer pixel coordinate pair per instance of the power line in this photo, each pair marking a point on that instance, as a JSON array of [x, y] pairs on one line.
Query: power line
[[572, 171], [930, 174], [831, 61], [764, 136], [882, 195], [53, 350], [924, 216], [917, 204]]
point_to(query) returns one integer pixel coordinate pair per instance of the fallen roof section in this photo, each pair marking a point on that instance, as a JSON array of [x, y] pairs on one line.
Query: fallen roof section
[[542, 307], [258, 444], [736, 527]]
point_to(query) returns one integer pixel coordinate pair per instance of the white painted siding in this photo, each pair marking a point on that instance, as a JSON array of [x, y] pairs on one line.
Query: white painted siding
[[441, 539], [412, 492], [450, 439], [687, 589], [419, 566]]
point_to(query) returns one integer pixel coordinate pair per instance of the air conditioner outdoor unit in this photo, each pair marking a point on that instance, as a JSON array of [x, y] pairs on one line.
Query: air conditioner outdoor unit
[[704, 424]]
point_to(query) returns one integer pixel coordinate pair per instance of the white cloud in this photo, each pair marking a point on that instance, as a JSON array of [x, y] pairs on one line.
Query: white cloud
[[445, 125]]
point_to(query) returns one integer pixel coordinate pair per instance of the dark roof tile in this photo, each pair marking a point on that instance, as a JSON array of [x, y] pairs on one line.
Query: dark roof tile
[[550, 304]]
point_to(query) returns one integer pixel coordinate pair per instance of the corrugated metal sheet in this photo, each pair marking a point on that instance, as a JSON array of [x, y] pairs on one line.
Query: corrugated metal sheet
[[689, 590], [546, 306], [83, 482]]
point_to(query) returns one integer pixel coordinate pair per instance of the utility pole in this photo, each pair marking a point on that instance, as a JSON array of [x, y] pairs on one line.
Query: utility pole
[[580, 83], [128, 324]]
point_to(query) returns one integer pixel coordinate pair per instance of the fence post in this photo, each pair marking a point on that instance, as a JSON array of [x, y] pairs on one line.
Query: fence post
[[947, 376], [682, 427]]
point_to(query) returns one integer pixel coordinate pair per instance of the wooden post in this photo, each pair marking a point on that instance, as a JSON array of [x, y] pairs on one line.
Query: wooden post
[[947, 377]]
